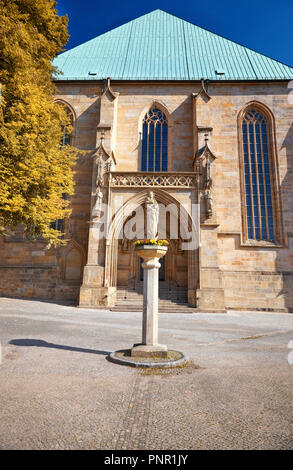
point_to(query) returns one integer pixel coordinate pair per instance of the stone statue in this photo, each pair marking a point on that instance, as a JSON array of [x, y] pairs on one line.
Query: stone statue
[[152, 215], [208, 190], [98, 204], [100, 176], [209, 202]]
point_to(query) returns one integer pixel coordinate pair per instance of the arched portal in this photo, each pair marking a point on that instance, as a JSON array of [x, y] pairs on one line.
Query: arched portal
[[181, 266]]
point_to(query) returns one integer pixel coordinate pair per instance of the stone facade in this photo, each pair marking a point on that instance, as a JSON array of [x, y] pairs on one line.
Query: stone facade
[[226, 271]]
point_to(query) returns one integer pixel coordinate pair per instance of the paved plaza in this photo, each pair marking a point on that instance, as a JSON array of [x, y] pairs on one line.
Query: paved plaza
[[59, 391]]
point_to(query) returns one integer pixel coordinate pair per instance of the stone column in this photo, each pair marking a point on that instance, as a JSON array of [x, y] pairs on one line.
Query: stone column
[[149, 346], [150, 301]]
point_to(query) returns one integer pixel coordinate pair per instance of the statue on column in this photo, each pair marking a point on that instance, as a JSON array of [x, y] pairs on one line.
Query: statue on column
[[152, 216]]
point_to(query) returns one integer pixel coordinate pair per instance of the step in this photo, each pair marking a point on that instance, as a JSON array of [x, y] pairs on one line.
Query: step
[[137, 308], [171, 300], [161, 301], [131, 308], [164, 307], [161, 293]]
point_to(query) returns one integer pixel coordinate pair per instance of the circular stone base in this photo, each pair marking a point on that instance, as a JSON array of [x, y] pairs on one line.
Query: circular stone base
[[123, 357]]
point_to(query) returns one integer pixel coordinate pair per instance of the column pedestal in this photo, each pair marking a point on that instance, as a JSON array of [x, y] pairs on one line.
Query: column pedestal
[[149, 346]]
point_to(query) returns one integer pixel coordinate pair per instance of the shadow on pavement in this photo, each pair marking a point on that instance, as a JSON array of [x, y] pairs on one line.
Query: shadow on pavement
[[66, 303], [43, 344]]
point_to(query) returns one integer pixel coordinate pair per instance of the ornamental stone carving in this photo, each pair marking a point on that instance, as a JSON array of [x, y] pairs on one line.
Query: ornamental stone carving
[[144, 179]]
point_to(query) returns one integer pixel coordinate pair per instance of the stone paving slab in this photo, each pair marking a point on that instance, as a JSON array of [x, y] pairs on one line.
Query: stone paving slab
[[58, 391]]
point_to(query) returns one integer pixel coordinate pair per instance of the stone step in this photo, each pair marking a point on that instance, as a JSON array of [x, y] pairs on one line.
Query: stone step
[[162, 303], [183, 308], [140, 287], [163, 297], [171, 300], [161, 291]]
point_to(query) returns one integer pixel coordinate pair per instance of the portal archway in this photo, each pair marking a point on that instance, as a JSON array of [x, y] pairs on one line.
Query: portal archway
[[122, 265]]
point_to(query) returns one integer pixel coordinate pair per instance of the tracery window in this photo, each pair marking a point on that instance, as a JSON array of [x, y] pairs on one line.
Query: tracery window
[[58, 225], [154, 141], [66, 138], [258, 176]]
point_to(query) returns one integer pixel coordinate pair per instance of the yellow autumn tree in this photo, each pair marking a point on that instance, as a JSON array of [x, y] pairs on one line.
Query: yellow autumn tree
[[36, 171]]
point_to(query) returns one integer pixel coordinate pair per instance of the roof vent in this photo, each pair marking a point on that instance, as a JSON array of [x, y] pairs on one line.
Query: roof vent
[[92, 73], [220, 72]]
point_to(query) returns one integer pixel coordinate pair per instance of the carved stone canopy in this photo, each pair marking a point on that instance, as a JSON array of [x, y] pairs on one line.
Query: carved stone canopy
[[102, 152], [206, 153]]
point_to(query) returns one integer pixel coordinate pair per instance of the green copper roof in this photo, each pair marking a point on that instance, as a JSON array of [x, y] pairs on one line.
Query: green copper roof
[[160, 46]]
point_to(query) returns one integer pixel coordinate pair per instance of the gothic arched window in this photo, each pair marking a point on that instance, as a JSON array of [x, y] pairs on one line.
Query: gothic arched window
[[154, 141], [258, 177], [66, 138]]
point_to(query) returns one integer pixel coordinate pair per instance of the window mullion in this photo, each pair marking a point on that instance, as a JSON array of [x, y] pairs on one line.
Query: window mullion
[[258, 179], [161, 147], [154, 155], [264, 182], [269, 148], [250, 179], [147, 153]]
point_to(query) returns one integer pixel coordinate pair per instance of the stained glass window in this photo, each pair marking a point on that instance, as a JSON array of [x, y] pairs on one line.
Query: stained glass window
[[154, 141], [258, 176]]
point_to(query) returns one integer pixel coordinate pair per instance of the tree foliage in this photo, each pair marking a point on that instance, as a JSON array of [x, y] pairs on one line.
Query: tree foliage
[[35, 169]]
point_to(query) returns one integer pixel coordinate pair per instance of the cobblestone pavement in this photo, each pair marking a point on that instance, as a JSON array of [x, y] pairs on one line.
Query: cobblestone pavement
[[59, 391]]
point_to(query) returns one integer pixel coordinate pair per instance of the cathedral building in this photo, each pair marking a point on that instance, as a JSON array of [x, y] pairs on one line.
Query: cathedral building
[[204, 124]]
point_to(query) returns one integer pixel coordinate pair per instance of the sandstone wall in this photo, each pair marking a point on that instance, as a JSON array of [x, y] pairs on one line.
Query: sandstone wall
[[253, 276]]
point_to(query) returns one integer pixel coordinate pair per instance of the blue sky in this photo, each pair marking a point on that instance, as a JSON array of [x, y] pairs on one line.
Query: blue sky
[[263, 25]]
